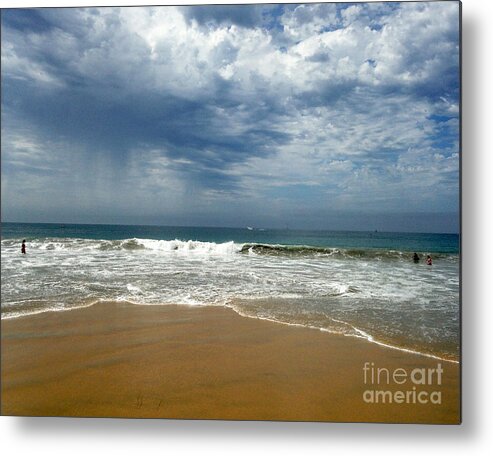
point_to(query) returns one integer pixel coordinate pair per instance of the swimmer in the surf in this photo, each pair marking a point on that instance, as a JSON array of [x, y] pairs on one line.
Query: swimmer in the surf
[[23, 247], [429, 262], [416, 257]]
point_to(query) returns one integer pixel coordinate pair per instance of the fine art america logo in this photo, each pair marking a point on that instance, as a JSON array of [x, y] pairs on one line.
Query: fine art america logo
[[402, 386]]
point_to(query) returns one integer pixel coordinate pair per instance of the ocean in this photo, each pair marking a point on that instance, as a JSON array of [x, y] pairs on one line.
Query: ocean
[[360, 284]]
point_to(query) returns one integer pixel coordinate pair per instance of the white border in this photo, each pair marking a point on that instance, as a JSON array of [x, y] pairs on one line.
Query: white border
[[54, 436]]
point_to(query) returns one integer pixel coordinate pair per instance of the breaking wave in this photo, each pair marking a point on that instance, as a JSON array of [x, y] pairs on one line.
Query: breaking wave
[[304, 250], [176, 245], [212, 248]]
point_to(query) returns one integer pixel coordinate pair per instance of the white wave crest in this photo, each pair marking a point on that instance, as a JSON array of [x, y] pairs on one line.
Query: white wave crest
[[196, 247], [90, 245]]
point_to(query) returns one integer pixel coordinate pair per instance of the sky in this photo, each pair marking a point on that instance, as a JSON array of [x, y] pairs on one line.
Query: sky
[[311, 116]]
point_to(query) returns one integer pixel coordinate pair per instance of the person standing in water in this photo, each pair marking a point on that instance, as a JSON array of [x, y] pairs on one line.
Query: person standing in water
[[429, 262], [416, 257], [23, 248]]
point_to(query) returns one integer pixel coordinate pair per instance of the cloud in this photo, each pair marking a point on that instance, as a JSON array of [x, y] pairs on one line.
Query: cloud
[[227, 15], [307, 20], [336, 106]]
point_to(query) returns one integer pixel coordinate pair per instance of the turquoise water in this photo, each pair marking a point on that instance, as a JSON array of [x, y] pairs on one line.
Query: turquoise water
[[421, 242], [362, 284]]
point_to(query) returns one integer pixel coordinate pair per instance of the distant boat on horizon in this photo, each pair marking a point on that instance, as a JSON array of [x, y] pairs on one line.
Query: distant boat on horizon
[[249, 228]]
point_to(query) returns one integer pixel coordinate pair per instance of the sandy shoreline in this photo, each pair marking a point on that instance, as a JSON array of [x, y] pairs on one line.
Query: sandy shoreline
[[123, 360]]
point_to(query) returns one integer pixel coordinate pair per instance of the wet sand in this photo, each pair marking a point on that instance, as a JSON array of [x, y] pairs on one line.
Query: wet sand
[[123, 360]]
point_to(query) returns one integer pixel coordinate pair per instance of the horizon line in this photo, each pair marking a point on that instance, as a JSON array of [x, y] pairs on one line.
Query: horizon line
[[233, 227]]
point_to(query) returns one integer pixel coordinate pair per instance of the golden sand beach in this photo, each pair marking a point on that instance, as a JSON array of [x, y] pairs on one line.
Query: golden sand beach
[[124, 360]]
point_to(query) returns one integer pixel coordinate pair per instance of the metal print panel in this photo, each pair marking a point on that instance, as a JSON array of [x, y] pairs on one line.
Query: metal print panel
[[245, 212]]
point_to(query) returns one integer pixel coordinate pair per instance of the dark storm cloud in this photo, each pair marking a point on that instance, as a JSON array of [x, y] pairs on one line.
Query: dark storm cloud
[[28, 20], [111, 125], [241, 15], [116, 119]]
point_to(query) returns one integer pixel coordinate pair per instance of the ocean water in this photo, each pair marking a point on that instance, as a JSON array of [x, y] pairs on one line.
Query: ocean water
[[361, 284]]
